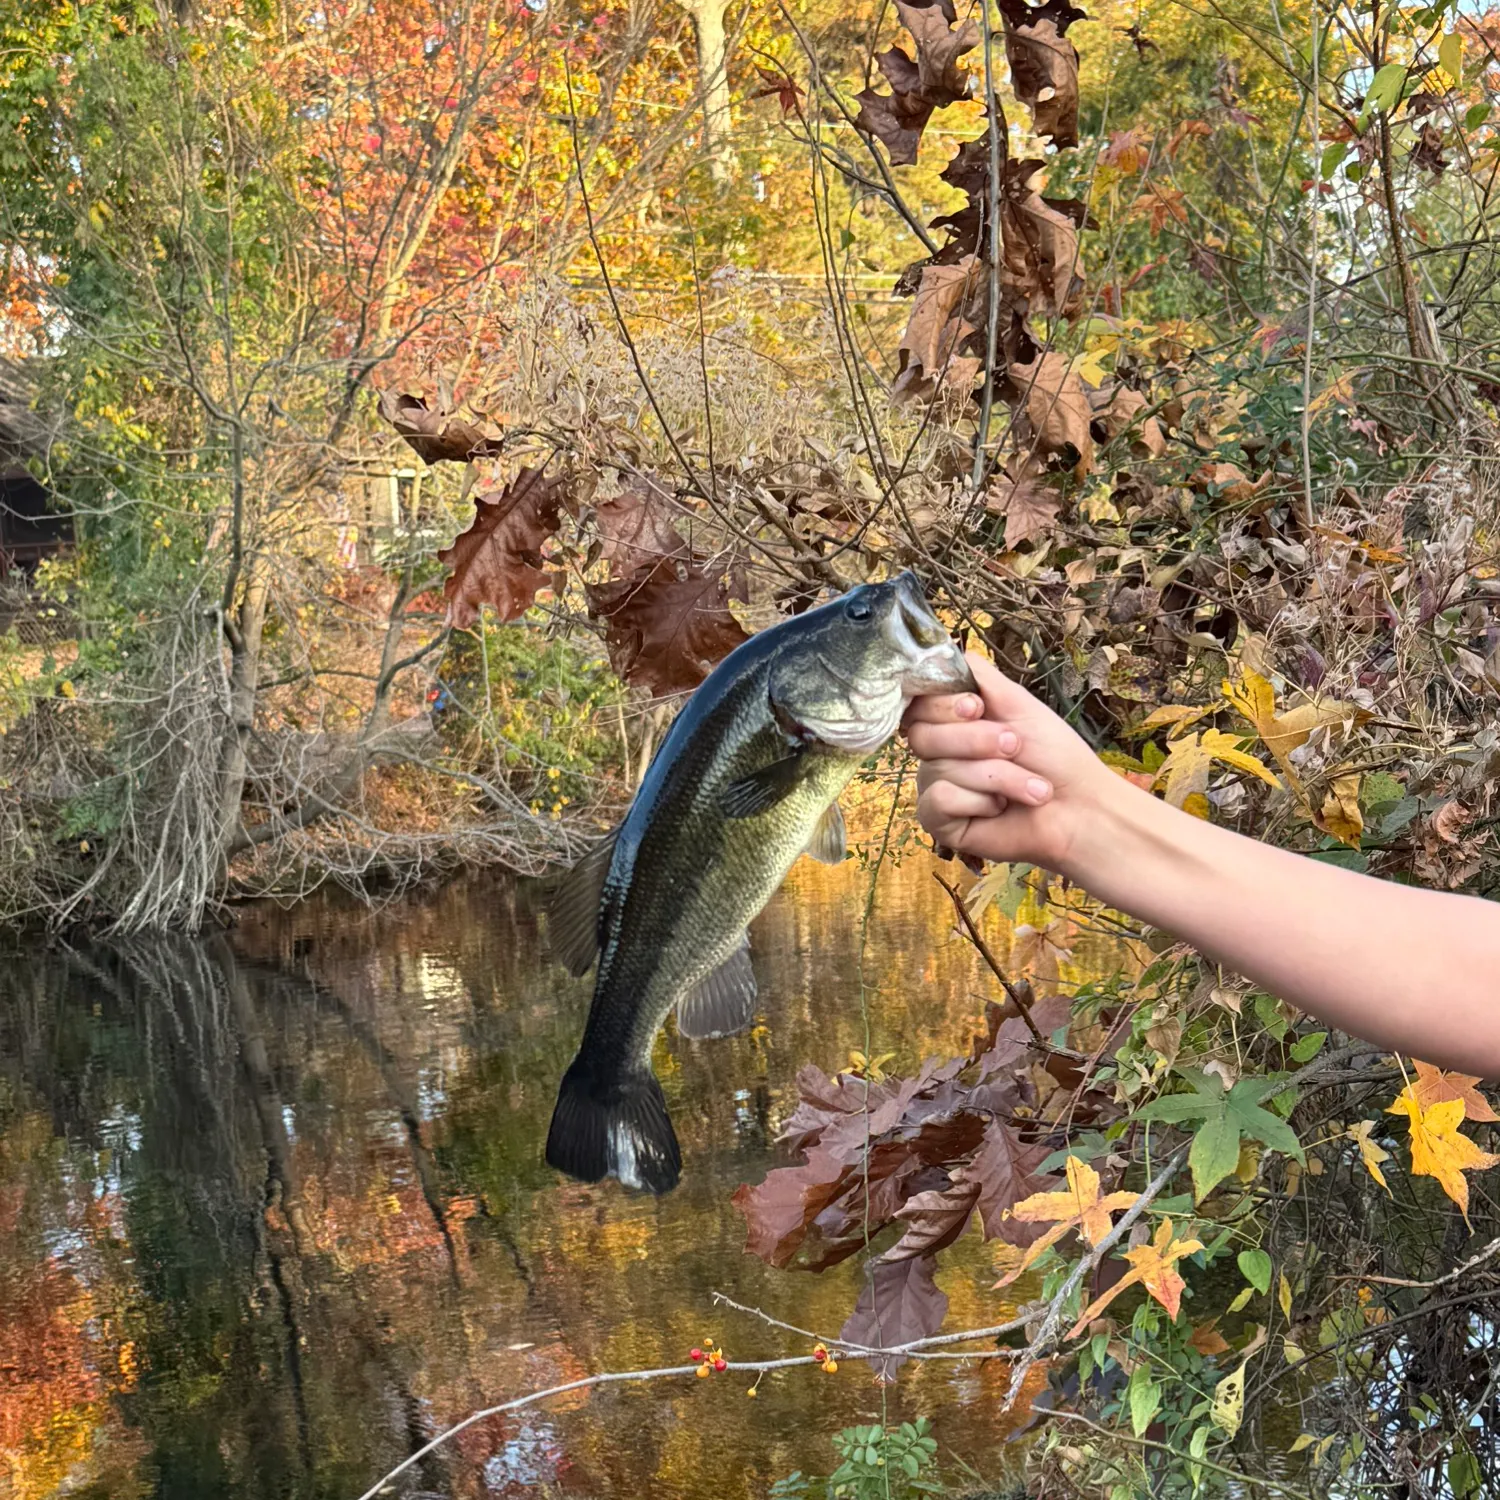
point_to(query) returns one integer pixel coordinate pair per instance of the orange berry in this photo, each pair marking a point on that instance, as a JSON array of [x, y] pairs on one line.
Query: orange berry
[[701, 1372], [751, 1393], [830, 1366]]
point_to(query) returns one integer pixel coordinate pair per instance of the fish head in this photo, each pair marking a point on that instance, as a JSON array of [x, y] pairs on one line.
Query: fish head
[[847, 676]]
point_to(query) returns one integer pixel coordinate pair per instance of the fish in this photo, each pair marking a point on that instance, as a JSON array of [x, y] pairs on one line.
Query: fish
[[747, 779]]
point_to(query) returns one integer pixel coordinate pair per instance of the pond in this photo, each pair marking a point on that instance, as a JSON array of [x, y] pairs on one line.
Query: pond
[[273, 1210]]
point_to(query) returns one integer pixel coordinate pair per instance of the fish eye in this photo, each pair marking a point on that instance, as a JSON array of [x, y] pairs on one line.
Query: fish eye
[[858, 609]]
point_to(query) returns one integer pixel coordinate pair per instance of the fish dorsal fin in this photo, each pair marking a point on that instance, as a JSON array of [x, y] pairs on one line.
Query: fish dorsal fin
[[762, 789], [830, 841], [573, 907], [723, 1002]]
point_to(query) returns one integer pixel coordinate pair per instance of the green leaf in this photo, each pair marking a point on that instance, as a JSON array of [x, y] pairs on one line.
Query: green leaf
[[1386, 87], [1475, 116], [1304, 1049], [1144, 1397], [1464, 1475], [1242, 1297], [1257, 1123], [1333, 156], [1255, 1267], [1215, 1152]]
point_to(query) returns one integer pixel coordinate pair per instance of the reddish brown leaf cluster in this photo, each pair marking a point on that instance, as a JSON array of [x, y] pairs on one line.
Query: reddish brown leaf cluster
[[924, 1154]]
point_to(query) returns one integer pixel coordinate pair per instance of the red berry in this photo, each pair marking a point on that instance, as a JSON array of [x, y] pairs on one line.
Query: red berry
[[721, 1363], [695, 1355]]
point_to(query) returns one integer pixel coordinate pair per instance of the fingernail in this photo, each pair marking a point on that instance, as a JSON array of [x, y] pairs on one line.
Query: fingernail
[[1009, 744], [968, 707], [1037, 789]]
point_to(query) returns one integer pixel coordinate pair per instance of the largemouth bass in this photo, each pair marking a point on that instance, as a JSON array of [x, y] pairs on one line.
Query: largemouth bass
[[747, 779]]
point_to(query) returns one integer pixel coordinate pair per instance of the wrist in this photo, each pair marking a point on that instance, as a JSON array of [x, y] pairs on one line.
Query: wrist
[[1117, 831]]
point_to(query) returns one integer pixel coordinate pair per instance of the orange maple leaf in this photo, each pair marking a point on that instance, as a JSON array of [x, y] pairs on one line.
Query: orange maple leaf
[[1154, 1266], [1078, 1206], [1438, 1148], [1434, 1086]]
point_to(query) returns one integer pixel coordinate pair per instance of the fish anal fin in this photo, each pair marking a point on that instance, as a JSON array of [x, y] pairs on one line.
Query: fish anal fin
[[830, 840], [761, 789], [573, 908], [722, 1002]]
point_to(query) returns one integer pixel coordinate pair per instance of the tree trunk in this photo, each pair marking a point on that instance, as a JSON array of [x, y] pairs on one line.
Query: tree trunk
[[713, 80], [244, 683]]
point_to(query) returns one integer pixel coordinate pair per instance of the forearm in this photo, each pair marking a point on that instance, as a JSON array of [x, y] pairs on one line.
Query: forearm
[[1413, 970]]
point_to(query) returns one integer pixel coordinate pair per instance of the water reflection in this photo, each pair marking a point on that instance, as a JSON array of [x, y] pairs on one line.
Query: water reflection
[[273, 1208]]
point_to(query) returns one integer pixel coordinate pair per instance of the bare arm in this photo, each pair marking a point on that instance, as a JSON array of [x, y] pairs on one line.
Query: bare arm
[[1414, 970]]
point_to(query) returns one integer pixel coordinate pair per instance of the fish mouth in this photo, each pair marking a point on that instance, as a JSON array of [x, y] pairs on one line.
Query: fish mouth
[[935, 664]]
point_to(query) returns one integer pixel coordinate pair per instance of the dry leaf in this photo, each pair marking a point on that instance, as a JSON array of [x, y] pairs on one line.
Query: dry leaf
[[1435, 1086], [940, 78], [935, 330], [436, 436], [1124, 411], [1029, 505], [1340, 814], [1208, 1341], [497, 561], [1039, 245], [1056, 411], [1044, 66]]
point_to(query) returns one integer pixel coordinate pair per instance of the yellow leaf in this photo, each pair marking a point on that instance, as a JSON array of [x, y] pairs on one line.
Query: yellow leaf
[[1153, 1266], [1255, 700], [1174, 717], [1284, 1295], [1228, 1410], [1438, 1148], [1306, 1440], [1224, 747], [1079, 1205], [1371, 1154], [991, 884], [1293, 1352], [67, 690], [1241, 1301], [1341, 815], [1451, 57]]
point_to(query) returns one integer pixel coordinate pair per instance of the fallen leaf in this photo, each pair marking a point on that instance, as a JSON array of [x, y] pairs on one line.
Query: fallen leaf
[[1029, 505], [1435, 1086], [436, 436], [1208, 1341], [497, 561], [1438, 1148], [1450, 820]]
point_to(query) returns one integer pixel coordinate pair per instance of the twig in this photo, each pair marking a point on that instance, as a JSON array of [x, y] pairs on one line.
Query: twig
[[984, 952], [1048, 1331], [1488, 1253]]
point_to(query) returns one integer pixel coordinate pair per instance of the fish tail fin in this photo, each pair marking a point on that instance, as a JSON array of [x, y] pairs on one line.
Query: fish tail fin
[[614, 1127]]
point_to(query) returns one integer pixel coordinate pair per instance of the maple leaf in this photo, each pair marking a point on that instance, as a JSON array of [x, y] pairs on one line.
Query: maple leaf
[[1225, 1115], [1044, 65], [900, 1302], [437, 435], [1370, 1152], [1079, 1206], [783, 88], [1255, 700], [1184, 773], [1435, 1086], [496, 561], [1340, 814], [1438, 1148], [667, 625], [1154, 1266]]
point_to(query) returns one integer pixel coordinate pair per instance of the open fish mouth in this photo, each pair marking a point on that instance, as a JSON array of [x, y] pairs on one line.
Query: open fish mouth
[[935, 663]]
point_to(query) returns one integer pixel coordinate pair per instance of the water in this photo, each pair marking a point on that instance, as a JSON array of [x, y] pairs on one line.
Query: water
[[273, 1209]]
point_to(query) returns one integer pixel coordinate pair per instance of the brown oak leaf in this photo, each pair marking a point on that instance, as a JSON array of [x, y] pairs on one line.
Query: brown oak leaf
[[436, 435], [668, 624], [934, 1219], [636, 527], [1027, 502], [497, 561], [1118, 409], [1005, 1170], [1044, 65], [900, 1302], [1056, 409], [936, 329], [941, 79], [1039, 244], [919, 86]]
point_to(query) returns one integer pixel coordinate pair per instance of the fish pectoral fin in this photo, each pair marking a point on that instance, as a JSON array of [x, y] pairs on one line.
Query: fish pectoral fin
[[573, 907], [830, 841], [762, 789], [723, 1002]]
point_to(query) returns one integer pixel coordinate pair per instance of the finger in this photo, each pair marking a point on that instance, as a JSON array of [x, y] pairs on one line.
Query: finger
[[998, 778], [946, 811], [945, 708], [982, 741], [1004, 698]]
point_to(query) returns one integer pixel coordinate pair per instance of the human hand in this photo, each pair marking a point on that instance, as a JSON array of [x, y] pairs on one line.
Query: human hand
[[1002, 776]]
